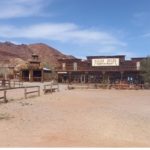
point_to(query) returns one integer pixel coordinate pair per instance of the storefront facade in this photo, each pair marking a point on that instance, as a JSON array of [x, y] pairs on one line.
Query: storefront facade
[[99, 69]]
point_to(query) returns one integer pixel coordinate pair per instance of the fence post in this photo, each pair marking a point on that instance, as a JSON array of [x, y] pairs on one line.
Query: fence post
[[44, 87], [68, 87], [5, 98], [9, 84], [38, 91], [25, 92], [51, 88], [21, 83], [57, 87]]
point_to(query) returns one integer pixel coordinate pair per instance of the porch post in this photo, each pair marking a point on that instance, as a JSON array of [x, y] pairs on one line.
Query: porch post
[[31, 75], [20, 76], [121, 75], [42, 75], [86, 77], [103, 72], [69, 77]]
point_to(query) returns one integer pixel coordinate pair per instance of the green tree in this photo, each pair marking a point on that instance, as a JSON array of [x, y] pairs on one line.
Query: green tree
[[145, 69]]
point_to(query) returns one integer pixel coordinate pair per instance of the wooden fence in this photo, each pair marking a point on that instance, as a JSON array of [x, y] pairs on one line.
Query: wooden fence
[[56, 86], [51, 88], [5, 83], [10, 84], [26, 92], [4, 96], [28, 89], [16, 84]]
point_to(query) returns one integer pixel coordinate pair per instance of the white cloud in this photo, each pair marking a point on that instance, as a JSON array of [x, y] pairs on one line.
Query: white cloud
[[140, 15], [141, 19], [21, 8], [146, 35], [65, 33], [60, 31]]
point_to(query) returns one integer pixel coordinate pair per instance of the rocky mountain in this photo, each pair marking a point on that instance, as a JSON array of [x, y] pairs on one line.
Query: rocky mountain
[[9, 50], [11, 53]]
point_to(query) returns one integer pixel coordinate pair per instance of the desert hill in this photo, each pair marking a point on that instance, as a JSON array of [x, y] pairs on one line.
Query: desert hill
[[11, 53]]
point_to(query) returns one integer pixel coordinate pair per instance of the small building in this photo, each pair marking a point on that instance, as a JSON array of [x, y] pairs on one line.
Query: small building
[[33, 71], [100, 69], [6, 70]]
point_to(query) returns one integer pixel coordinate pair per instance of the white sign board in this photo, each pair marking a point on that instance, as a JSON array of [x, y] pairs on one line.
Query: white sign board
[[105, 62]]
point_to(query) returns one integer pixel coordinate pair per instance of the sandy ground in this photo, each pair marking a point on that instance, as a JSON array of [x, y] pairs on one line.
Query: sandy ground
[[76, 118]]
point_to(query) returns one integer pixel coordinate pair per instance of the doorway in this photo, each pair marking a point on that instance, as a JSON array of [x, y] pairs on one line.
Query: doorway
[[25, 75]]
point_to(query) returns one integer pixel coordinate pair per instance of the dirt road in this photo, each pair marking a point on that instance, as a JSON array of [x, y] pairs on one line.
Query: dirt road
[[77, 118]]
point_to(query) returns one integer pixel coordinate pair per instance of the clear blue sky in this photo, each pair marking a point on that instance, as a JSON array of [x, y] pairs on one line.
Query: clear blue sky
[[79, 27]]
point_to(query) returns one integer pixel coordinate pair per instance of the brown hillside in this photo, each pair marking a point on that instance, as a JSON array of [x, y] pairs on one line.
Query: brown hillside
[[9, 50], [47, 54]]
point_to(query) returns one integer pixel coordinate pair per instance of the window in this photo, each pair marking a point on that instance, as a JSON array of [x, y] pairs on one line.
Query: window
[[75, 67], [138, 65], [63, 66]]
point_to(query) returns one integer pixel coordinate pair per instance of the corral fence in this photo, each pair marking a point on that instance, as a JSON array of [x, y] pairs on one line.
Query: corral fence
[[33, 89], [5, 83], [4, 92], [16, 84], [52, 87], [10, 83], [27, 90]]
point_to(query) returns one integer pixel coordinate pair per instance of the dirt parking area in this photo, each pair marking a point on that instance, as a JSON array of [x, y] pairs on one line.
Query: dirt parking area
[[77, 118]]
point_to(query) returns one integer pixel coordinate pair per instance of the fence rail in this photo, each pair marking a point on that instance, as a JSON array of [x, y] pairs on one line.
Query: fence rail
[[4, 83], [17, 83], [51, 87], [26, 92], [10, 83]]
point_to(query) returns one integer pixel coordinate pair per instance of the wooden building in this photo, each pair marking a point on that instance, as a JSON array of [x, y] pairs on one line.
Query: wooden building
[[33, 71], [100, 69], [6, 70]]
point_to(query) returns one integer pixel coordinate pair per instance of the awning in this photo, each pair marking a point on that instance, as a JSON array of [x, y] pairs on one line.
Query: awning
[[46, 69]]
